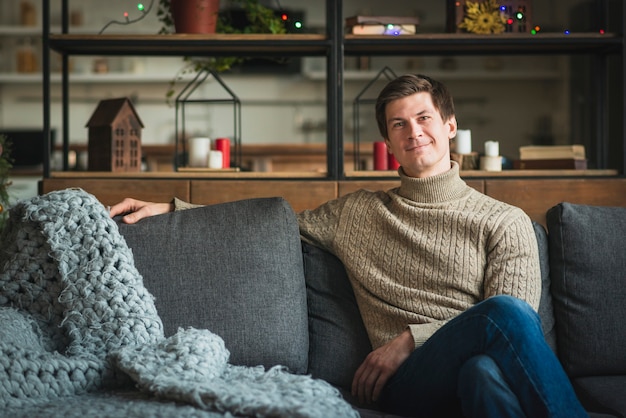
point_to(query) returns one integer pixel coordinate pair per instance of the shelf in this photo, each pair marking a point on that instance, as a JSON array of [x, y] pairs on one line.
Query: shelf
[[494, 174], [316, 45], [241, 175], [334, 46], [470, 44], [355, 75], [372, 175], [255, 45], [89, 78]]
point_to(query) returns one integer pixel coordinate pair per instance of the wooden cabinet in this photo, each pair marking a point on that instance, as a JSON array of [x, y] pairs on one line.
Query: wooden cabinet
[[534, 195]]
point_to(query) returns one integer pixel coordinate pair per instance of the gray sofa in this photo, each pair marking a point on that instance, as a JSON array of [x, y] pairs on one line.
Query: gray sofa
[[241, 270]]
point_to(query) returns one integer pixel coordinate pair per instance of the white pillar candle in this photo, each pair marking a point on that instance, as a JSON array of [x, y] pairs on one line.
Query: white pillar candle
[[464, 141], [199, 148], [216, 159], [492, 148]]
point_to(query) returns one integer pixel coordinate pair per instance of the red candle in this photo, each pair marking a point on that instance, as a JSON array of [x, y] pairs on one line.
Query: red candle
[[392, 163], [380, 155], [223, 144]]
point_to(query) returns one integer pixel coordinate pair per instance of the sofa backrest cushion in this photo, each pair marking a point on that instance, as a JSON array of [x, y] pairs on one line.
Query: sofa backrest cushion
[[588, 272], [233, 268], [546, 309], [337, 338]]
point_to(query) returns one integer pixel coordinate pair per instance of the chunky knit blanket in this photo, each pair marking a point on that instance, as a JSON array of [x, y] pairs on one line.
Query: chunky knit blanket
[[76, 319]]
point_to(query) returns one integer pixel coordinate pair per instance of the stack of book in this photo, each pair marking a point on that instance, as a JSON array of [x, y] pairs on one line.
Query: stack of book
[[382, 25], [555, 157]]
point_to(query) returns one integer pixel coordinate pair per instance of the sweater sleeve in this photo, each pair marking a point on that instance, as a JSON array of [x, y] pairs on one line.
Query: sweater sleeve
[[182, 205], [422, 332], [319, 226], [513, 261]]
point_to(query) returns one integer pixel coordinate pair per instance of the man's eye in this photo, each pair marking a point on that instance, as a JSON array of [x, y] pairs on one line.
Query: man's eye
[[398, 124], [424, 117]]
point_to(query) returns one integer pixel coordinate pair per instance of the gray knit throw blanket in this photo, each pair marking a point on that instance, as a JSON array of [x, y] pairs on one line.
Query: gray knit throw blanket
[[76, 318]]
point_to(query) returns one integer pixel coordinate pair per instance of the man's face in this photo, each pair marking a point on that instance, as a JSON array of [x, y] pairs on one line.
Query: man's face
[[418, 137]]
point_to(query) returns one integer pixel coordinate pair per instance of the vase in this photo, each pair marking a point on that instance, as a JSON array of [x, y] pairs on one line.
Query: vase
[[195, 16]]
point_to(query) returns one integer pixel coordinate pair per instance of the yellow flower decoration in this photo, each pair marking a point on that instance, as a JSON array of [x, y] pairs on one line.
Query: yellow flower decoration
[[483, 18]]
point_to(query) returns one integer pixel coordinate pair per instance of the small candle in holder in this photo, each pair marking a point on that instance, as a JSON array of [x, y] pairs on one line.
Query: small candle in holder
[[463, 141], [380, 156], [199, 151], [492, 148], [216, 159], [223, 145]]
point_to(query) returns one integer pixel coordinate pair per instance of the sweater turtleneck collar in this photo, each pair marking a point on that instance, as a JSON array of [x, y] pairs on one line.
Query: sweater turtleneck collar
[[436, 189]]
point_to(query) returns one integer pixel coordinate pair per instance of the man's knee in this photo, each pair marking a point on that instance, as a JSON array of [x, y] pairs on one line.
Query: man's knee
[[509, 306]]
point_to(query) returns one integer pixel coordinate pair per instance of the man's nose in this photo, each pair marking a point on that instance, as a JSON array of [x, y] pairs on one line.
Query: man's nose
[[416, 129]]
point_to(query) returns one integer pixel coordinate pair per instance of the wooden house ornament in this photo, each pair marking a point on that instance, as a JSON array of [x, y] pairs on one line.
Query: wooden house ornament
[[114, 137]]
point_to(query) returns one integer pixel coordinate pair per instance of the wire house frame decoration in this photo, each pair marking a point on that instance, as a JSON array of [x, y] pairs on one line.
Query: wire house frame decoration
[[184, 99], [356, 105]]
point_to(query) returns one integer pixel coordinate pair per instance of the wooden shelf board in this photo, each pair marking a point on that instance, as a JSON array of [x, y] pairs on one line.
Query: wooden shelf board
[[390, 174], [315, 44], [496, 174], [471, 44], [191, 44], [241, 175]]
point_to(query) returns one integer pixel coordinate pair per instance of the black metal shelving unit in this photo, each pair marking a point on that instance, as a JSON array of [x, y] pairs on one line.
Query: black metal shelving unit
[[334, 46]]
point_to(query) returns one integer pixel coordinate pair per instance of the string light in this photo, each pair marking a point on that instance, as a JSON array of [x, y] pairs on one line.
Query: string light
[[127, 20]]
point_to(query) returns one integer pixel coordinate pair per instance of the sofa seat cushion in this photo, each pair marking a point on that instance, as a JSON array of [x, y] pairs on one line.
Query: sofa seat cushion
[[233, 268], [602, 394], [588, 274]]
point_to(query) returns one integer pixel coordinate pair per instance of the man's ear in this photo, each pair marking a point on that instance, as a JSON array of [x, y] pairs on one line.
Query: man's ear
[[452, 126]]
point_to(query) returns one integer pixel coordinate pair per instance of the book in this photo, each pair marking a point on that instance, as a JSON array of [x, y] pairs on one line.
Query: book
[[540, 152], [381, 20], [551, 164], [383, 29]]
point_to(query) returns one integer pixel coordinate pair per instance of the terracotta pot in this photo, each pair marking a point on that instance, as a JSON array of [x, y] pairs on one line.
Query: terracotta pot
[[195, 16]]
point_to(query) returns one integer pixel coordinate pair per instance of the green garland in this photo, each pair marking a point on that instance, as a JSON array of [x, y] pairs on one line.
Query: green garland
[[5, 166]]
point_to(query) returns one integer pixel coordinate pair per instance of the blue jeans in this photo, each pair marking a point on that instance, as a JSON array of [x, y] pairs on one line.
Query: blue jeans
[[490, 361]]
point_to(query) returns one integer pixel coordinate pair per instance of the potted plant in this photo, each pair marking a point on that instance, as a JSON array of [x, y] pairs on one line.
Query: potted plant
[[260, 19], [189, 16]]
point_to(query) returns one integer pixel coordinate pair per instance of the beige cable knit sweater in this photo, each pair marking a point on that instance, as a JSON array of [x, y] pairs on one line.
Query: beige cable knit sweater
[[424, 252]]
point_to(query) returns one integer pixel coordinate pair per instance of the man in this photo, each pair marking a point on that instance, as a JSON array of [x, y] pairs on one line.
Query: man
[[447, 279]]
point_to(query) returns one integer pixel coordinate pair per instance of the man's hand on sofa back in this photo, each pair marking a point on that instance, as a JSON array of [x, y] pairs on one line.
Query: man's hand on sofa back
[[135, 210]]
